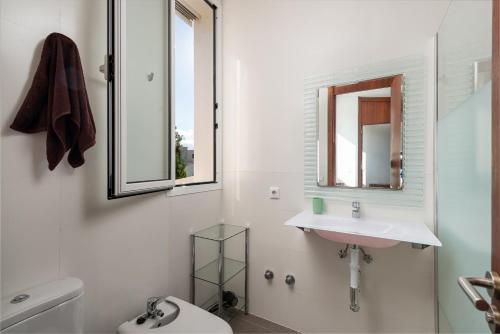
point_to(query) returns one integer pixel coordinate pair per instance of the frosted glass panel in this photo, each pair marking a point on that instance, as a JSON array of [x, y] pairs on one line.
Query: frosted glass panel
[[146, 78], [463, 161], [464, 207]]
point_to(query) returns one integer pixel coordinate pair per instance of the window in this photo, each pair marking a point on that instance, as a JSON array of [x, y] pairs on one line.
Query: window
[[195, 106], [160, 69], [138, 71]]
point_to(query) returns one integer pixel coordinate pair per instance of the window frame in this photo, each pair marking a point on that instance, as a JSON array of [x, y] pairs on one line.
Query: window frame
[[118, 187], [216, 183]]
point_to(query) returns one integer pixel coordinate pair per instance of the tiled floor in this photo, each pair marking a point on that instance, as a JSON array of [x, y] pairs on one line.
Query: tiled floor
[[242, 323]]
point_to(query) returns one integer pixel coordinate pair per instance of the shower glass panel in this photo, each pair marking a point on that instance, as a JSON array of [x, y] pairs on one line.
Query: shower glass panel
[[463, 159]]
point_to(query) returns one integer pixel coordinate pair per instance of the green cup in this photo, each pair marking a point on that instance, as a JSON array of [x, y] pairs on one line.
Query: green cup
[[317, 206]]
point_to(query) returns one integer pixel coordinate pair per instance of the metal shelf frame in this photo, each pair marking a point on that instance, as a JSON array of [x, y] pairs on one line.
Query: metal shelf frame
[[215, 272]]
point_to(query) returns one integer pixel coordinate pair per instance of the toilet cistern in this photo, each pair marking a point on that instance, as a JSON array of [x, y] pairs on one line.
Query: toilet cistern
[[356, 210]]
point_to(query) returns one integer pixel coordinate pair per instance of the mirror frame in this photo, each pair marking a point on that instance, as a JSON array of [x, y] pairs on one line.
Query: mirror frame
[[117, 185], [397, 112]]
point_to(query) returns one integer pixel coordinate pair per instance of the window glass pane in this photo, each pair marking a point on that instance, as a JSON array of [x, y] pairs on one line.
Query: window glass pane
[[146, 90], [194, 93]]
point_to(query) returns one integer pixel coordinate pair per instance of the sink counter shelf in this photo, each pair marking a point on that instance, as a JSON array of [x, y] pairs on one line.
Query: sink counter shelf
[[368, 232]]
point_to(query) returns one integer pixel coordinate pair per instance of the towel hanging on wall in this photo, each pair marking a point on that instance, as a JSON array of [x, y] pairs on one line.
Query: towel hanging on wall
[[57, 102]]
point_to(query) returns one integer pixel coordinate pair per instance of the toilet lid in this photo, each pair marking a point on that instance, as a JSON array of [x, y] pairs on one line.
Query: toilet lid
[[191, 319], [38, 299]]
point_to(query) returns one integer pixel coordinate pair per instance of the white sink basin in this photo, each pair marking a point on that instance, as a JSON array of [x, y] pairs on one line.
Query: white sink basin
[[365, 232]]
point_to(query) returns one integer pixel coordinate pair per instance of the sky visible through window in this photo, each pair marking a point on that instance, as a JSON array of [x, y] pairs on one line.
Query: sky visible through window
[[184, 81]]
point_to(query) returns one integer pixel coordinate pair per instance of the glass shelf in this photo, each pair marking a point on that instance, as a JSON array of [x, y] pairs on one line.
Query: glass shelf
[[210, 272], [220, 232]]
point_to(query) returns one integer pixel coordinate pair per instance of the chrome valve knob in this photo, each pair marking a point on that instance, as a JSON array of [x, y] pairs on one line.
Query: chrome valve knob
[[290, 280], [269, 275]]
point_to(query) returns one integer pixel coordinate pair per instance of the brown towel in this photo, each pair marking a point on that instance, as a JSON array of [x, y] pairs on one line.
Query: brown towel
[[57, 102]]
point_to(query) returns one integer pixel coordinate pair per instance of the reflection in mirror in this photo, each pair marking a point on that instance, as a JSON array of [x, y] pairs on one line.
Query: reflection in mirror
[[359, 134], [376, 156]]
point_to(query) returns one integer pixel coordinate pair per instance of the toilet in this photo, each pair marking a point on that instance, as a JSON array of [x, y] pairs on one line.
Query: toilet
[[55, 307], [179, 317]]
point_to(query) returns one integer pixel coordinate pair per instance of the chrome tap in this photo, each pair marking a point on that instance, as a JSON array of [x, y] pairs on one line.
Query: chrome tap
[[152, 310], [356, 210]]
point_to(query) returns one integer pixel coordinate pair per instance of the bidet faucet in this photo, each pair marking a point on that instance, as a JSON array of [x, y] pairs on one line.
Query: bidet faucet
[[152, 307], [356, 207]]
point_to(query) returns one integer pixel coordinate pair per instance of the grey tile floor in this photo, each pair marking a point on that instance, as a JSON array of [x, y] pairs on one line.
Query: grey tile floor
[[242, 323]]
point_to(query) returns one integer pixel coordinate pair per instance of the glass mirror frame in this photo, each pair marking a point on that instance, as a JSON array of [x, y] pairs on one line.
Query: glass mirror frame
[[118, 187], [390, 81]]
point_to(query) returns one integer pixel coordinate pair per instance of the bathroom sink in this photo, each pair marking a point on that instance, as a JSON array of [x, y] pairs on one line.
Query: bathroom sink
[[364, 231]]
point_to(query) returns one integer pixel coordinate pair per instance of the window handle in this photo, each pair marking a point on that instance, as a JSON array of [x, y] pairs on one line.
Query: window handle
[[104, 68]]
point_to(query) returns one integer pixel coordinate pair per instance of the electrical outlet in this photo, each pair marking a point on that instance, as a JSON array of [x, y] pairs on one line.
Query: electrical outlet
[[274, 193]]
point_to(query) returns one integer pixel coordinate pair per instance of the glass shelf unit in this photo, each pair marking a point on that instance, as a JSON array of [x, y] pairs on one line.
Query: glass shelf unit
[[210, 272], [220, 265], [220, 232]]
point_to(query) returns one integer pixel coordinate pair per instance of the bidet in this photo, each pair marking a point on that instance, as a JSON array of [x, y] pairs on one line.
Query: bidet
[[179, 317]]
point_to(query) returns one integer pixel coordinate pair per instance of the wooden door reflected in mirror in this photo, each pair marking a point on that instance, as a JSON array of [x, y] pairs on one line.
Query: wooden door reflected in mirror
[[359, 134]]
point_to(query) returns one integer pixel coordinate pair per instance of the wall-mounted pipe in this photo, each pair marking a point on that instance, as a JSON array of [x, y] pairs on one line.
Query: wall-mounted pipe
[[354, 306], [354, 265], [357, 254]]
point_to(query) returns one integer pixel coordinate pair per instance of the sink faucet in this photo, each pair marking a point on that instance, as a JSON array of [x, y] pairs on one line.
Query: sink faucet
[[152, 307], [356, 213]]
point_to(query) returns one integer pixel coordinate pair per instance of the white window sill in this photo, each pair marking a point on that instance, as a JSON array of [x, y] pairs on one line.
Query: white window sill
[[188, 190]]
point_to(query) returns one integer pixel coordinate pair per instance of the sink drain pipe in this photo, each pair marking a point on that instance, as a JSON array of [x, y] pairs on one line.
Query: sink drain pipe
[[354, 265]]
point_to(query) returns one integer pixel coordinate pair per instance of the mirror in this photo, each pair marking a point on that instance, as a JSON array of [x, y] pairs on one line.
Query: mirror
[[141, 137], [359, 134]]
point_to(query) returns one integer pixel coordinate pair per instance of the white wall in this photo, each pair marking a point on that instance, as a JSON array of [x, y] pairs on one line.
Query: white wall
[[59, 223], [270, 46]]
